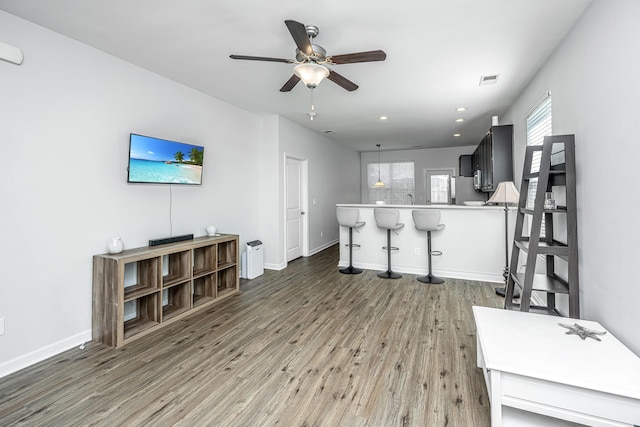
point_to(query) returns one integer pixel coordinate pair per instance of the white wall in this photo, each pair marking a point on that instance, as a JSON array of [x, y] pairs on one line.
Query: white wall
[[593, 78], [334, 177], [269, 202], [66, 114], [425, 158]]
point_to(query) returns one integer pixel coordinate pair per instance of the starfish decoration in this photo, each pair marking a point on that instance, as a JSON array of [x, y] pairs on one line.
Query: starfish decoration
[[581, 331]]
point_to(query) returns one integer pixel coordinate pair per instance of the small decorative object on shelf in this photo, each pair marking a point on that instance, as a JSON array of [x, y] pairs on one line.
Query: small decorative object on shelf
[[211, 230], [549, 202], [115, 245], [581, 331]]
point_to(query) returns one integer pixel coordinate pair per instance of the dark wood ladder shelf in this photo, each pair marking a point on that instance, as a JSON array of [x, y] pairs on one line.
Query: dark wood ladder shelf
[[557, 170]]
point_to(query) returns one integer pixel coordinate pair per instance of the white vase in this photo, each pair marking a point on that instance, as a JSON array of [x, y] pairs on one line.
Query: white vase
[[115, 245], [211, 230]]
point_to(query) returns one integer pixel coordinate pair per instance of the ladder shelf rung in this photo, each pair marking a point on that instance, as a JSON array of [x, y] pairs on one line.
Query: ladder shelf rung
[[559, 209], [540, 309], [552, 174], [544, 283], [545, 248]]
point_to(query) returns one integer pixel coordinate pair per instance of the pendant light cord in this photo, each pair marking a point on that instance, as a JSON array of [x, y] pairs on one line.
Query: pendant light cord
[[379, 180]]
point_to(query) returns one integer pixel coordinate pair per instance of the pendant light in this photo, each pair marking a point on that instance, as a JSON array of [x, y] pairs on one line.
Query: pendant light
[[379, 184]]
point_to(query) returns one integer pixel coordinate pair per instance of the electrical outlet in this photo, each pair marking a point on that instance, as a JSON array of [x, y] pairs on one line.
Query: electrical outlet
[[417, 251], [321, 233], [1, 325]]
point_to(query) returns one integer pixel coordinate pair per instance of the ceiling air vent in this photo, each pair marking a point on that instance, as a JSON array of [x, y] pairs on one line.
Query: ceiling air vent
[[489, 80]]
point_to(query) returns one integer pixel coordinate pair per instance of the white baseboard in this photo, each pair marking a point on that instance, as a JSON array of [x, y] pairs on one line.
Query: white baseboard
[[282, 266], [464, 275], [323, 247], [276, 267], [43, 353]]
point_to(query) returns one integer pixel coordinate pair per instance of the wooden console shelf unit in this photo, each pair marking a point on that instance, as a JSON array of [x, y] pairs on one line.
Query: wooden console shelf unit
[[140, 290]]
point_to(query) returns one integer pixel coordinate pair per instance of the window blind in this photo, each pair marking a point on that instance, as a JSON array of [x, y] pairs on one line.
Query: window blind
[[399, 179], [539, 125]]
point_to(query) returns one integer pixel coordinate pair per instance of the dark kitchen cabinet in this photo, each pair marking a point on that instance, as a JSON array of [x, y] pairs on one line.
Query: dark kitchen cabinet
[[494, 157], [465, 165]]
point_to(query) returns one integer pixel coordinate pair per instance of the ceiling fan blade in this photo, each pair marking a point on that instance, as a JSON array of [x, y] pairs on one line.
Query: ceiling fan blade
[[299, 34], [351, 58], [290, 83], [261, 58], [341, 81]]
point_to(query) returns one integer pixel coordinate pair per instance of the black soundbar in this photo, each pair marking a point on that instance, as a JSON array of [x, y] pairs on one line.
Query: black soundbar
[[157, 242]]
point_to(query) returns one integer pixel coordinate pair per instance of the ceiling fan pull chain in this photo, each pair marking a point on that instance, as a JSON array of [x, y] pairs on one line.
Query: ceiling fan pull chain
[[312, 113]]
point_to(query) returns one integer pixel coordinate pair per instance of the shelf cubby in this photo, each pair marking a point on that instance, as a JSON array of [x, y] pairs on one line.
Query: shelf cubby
[[147, 315], [227, 252], [177, 268], [141, 278], [227, 281], [204, 260], [178, 300], [204, 289]]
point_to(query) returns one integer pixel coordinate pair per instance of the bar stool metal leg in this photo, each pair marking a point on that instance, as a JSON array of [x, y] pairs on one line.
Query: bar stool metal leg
[[389, 274], [351, 269], [430, 278]]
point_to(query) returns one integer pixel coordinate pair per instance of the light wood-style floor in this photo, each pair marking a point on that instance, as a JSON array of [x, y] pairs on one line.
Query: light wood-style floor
[[306, 346]]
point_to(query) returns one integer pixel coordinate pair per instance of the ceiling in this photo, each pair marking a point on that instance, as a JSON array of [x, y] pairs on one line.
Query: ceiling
[[437, 51]]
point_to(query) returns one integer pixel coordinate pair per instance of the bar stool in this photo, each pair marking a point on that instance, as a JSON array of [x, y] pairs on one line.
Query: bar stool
[[428, 220], [348, 217], [388, 220]]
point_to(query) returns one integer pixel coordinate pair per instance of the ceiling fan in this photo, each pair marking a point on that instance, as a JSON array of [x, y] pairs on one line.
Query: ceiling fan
[[311, 59]]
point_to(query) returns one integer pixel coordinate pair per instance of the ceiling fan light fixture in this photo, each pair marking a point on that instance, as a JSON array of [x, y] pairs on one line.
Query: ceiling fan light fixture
[[311, 73]]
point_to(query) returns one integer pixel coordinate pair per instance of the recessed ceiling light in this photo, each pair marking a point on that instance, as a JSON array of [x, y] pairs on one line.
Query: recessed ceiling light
[[383, 117], [461, 109], [459, 120], [489, 80], [416, 146], [456, 135], [327, 131]]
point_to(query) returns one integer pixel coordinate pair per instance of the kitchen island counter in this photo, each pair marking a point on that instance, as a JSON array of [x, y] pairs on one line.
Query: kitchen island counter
[[472, 242]]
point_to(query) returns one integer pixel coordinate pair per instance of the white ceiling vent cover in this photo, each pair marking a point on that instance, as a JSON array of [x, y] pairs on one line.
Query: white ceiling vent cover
[[489, 80], [10, 53]]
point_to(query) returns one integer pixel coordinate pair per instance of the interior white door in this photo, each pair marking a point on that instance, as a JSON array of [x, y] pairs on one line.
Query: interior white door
[[294, 208]]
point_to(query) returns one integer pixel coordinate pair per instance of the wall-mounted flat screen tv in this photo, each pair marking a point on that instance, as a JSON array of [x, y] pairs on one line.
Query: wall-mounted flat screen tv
[[159, 161]]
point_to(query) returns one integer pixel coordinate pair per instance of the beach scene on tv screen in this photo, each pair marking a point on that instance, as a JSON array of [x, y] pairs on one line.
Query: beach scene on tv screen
[[160, 161]]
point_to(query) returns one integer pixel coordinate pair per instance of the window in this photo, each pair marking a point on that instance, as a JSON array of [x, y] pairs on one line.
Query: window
[[437, 183], [399, 180], [538, 126]]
